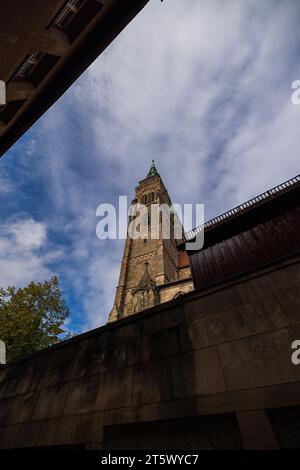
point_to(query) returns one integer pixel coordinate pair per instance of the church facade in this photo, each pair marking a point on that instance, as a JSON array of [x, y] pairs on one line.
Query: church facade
[[153, 270]]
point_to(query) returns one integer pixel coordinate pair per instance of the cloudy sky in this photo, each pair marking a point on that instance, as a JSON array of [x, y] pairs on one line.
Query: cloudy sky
[[203, 87]]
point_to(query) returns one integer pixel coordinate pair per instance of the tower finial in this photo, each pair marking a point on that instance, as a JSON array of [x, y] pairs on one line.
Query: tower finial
[[153, 171]]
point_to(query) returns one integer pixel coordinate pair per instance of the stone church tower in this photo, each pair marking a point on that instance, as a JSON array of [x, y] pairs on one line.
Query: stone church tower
[[152, 270]]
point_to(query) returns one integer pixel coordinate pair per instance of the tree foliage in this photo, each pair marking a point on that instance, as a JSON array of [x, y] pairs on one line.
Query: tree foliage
[[32, 317]]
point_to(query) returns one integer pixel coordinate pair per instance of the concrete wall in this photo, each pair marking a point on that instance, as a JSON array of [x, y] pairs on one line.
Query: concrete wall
[[224, 351]]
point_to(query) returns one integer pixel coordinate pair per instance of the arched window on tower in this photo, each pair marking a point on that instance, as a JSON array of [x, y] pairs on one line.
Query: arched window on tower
[[178, 295]]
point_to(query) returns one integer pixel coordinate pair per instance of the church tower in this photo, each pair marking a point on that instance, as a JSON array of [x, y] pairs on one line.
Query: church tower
[[148, 264]]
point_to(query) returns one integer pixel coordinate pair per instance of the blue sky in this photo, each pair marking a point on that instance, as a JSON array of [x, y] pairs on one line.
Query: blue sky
[[204, 88]]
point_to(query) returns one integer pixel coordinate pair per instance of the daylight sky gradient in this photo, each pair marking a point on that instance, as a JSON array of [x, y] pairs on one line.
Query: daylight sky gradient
[[203, 87]]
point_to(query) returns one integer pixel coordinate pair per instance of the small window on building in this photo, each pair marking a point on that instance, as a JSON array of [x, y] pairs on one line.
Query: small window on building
[[35, 67], [29, 65], [68, 12], [75, 15]]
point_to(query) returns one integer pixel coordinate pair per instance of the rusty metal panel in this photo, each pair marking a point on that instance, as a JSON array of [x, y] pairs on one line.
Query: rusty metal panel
[[273, 238]]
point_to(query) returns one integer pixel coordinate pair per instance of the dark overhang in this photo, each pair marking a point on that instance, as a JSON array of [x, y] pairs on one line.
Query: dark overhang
[[45, 45]]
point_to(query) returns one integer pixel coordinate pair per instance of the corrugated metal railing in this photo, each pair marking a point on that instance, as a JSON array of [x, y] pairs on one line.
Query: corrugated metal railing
[[256, 201]]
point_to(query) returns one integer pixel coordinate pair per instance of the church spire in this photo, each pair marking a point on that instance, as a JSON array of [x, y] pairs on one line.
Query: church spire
[[149, 263], [153, 171]]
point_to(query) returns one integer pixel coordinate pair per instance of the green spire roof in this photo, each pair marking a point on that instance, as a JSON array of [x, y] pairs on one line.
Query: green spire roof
[[153, 171]]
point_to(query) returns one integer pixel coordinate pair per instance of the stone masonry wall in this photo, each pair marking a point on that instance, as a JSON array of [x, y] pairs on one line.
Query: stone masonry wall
[[211, 352]]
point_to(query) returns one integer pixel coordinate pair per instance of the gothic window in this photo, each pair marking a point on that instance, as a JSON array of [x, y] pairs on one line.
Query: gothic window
[[179, 294]]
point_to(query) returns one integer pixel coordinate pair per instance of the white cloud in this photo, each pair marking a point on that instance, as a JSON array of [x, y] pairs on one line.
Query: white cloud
[[28, 233], [20, 260], [206, 91]]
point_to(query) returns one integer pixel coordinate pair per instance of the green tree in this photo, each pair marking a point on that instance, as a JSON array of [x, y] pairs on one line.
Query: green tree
[[31, 318]]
